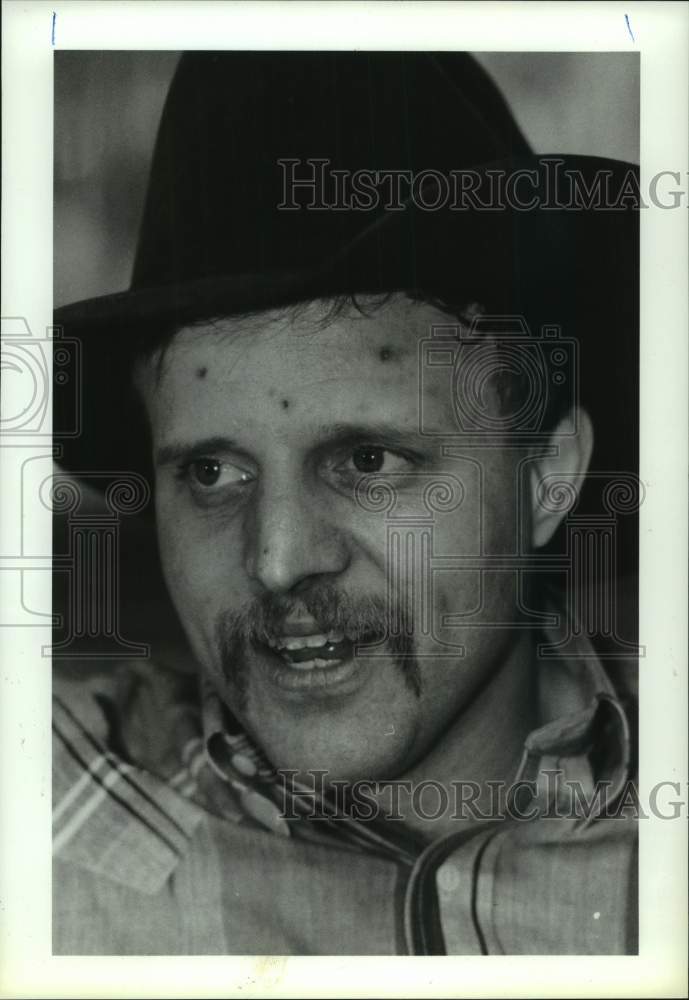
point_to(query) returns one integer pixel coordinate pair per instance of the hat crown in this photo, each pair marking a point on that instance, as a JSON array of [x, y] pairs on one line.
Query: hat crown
[[239, 126]]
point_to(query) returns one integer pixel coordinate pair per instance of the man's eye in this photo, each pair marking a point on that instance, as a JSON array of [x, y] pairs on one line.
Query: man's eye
[[368, 459], [207, 473]]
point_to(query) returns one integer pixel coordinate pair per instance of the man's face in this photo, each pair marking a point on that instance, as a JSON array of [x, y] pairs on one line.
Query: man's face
[[270, 436]]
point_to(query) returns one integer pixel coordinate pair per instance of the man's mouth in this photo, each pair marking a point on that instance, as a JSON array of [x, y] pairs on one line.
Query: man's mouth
[[312, 652], [313, 664], [330, 646], [305, 658]]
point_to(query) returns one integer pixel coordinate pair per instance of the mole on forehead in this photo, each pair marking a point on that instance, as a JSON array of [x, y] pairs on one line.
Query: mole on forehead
[[390, 334]]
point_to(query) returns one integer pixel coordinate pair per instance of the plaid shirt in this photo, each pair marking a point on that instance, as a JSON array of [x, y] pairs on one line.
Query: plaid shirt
[[168, 838]]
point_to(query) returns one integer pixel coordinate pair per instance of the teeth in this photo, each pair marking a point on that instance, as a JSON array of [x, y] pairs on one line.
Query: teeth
[[305, 641], [312, 664], [308, 641]]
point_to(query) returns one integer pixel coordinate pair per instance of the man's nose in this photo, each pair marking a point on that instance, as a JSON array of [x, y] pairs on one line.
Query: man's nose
[[291, 538]]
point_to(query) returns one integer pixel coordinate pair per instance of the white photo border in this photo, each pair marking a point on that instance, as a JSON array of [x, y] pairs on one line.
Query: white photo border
[[32, 32]]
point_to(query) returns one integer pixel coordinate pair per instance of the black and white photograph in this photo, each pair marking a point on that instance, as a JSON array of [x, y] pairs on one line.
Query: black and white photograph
[[371, 397], [345, 501]]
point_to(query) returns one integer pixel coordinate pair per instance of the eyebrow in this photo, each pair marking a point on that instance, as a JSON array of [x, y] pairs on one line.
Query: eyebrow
[[328, 435], [389, 433]]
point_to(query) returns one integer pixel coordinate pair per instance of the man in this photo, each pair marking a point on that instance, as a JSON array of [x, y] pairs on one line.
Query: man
[[339, 367]]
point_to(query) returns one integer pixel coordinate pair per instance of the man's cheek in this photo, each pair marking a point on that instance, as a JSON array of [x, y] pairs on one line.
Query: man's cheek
[[182, 563], [197, 602], [172, 557]]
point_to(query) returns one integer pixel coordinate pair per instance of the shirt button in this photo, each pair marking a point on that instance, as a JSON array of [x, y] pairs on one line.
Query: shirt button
[[243, 764], [447, 879]]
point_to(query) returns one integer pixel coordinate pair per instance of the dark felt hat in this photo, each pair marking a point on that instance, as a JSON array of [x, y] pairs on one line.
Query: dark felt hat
[[430, 143]]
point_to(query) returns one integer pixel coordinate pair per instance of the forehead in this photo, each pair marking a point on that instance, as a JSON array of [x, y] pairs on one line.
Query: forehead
[[312, 332], [303, 360]]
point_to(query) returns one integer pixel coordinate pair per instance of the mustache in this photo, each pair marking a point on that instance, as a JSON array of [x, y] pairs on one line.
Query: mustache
[[365, 619]]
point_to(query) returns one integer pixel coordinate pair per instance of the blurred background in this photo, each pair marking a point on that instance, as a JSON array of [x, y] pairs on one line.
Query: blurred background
[[108, 105]]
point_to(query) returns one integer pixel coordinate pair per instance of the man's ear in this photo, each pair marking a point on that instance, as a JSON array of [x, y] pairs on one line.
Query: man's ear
[[568, 466]]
